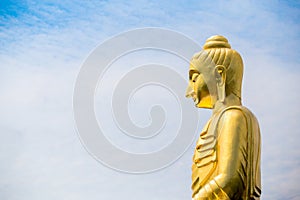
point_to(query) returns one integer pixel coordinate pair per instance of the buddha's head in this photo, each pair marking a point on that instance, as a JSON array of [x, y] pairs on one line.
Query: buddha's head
[[215, 73]]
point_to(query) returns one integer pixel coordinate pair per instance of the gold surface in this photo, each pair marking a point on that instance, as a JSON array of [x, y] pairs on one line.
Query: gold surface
[[226, 162]]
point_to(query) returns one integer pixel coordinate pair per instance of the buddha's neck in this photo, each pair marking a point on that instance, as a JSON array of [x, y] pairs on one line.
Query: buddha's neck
[[230, 100]]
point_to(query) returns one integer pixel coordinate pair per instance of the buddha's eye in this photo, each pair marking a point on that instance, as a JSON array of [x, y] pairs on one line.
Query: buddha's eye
[[194, 77]]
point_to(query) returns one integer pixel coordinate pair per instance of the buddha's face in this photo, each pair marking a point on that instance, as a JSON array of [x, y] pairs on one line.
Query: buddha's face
[[198, 89], [202, 85]]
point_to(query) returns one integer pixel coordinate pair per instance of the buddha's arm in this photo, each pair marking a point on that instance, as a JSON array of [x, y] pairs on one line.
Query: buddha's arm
[[231, 164]]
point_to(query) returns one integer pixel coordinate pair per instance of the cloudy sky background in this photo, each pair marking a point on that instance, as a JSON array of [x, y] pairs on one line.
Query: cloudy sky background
[[44, 43]]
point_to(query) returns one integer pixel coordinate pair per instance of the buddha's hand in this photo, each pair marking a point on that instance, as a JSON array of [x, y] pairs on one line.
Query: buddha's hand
[[203, 195]]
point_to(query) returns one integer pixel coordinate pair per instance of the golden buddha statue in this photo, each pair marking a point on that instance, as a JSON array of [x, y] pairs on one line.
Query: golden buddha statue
[[226, 162]]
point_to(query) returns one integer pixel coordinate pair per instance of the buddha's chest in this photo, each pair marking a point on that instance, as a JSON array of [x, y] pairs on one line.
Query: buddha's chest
[[205, 154]]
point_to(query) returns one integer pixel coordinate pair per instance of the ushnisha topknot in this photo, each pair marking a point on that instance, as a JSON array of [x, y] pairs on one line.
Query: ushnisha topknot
[[216, 41]]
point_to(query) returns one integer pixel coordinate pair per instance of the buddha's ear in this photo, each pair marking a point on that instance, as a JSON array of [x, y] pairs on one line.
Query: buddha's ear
[[220, 74]]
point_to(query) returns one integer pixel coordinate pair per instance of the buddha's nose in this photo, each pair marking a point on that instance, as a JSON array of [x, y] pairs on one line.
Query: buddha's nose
[[189, 92]]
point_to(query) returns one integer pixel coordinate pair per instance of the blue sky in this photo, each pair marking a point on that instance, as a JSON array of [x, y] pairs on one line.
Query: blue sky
[[44, 43]]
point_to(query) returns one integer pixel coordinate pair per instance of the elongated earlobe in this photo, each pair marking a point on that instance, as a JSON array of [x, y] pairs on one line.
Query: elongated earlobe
[[220, 74]]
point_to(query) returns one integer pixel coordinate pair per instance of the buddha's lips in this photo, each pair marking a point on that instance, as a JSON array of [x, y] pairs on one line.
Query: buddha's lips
[[196, 100]]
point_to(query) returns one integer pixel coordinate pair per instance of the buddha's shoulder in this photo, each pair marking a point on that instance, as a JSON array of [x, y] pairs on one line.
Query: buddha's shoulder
[[240, 113]]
